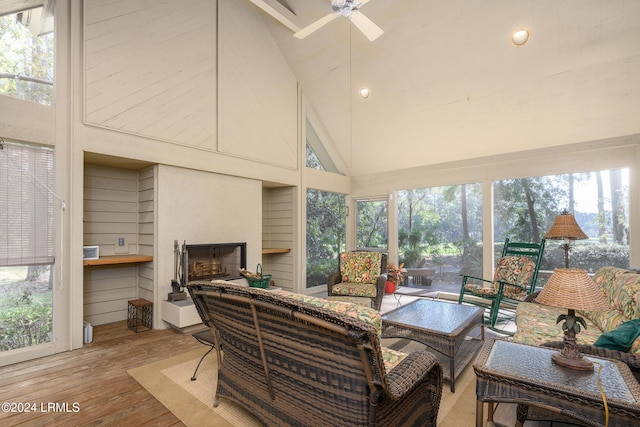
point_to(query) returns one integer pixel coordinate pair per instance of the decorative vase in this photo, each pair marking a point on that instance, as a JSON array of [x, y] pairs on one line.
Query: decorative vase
[[390, 287]]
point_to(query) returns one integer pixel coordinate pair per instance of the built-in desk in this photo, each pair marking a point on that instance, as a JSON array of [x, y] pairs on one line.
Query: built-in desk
[[117, 259]]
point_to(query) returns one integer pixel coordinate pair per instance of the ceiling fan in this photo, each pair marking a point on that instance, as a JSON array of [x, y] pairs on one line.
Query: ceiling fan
[[349, 9]]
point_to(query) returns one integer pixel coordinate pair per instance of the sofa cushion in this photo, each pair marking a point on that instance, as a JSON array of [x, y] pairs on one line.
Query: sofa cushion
[[356, 311], [621, 338], [536, 325], [391, 358], [605, 320], [621, 289], [355, 289], [360, 267]]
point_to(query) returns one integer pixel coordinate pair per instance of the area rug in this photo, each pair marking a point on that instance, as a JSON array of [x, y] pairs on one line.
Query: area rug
[[169, 381]]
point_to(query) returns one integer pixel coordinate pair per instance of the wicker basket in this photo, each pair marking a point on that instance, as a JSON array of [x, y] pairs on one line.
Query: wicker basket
[[262, 282]]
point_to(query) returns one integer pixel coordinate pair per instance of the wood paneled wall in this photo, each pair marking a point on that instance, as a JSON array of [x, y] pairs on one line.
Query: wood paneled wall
[[118, 203], [146, 225], [278, 232]]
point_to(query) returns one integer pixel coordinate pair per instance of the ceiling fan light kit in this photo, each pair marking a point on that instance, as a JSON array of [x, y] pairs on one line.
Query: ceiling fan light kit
[[349, 9]]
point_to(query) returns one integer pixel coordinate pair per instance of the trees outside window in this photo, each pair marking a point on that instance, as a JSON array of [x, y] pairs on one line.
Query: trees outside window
[[326, 234], [27, 56], [441, 228], [372, 230], [525, 208]]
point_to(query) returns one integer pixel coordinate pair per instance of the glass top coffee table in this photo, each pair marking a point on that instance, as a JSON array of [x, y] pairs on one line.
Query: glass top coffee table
[[523, 374], [441, 326]]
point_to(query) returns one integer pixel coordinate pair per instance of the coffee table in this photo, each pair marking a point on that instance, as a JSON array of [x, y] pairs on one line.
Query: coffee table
[[523, 374], [441, 326]]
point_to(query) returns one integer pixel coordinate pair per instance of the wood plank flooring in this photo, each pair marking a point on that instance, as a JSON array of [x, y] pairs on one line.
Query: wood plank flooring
[[95, 379]]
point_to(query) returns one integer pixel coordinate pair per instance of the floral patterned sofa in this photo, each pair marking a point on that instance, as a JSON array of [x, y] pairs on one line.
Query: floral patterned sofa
[[536, 323]]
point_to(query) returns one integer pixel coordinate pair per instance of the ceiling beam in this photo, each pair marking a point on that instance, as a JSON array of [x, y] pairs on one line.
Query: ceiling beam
[[279, 12]]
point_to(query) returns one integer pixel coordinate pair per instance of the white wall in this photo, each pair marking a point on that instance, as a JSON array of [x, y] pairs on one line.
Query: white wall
[[202, 207]]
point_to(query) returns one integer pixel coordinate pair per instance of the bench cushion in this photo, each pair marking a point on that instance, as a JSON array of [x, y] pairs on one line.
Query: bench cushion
[[356, 311]]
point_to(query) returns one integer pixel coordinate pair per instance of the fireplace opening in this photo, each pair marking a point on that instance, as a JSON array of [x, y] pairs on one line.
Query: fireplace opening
[[213, 261]]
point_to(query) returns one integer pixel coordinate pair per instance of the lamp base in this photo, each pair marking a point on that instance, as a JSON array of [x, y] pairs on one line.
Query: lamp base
[[572, 362]]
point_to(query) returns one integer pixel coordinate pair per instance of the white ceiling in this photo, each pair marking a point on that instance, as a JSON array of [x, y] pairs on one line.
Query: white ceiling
[[446, 84]]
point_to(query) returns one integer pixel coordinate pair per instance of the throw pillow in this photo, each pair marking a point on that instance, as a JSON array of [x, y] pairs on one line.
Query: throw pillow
[[620, 338]]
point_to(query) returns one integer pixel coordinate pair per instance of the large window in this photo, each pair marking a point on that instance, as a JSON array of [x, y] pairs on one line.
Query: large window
[[326, 235], [440, 228], [26, 245], [27, 55], [524, 209]]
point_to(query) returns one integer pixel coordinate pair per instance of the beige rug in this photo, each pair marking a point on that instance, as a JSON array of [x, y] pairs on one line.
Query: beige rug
[[169, 381]]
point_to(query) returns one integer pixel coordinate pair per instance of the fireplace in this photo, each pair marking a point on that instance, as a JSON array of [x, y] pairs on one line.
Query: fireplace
[[213, 261]]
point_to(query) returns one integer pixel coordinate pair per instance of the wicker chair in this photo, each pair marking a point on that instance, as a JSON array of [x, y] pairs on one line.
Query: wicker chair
[[361, 275], [293, 363]]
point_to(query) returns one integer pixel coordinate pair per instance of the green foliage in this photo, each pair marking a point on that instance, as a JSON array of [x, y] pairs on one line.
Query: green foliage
[[326, 228], [587, 256], [25, 325], [431, 222], [372, 226]]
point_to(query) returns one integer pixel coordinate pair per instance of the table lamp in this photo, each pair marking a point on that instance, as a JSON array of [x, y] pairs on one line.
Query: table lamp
[[565, 228], [572, 289]]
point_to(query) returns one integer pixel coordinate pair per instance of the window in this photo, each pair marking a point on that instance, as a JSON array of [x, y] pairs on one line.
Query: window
[[372, 230], [317, 155], [27, 55], [26, 245], [524, 209], [440, 228], [326, 235]]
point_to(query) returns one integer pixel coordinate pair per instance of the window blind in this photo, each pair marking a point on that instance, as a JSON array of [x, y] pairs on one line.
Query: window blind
[[27, 205]]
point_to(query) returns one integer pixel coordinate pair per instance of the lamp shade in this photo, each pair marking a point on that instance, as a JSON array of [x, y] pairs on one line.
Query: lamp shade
[[565, 227], [572, 288]]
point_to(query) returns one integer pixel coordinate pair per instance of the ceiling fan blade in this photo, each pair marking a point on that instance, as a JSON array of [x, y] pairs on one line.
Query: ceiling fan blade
[[315, 25], [366, 25]]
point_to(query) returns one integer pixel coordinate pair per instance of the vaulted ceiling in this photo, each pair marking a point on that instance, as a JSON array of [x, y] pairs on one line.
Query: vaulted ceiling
[[446, 84]]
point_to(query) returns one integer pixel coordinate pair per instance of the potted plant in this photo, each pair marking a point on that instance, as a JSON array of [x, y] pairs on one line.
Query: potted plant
[[394, 277]]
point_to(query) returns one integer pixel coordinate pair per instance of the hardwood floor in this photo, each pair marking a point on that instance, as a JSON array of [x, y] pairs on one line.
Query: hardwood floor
[[93, 381]]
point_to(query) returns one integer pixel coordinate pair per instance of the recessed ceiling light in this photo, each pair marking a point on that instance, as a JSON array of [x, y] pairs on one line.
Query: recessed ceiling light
[[364, 92], [520, 37]]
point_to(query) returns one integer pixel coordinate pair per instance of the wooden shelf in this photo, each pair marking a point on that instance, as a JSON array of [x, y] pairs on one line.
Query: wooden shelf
[[267, 251], [117, 259]]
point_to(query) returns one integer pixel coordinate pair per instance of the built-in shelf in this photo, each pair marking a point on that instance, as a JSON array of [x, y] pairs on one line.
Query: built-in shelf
[[267, 251], [117, 259]]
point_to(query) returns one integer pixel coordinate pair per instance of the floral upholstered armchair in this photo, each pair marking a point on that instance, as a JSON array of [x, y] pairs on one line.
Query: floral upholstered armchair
[[362, 275]]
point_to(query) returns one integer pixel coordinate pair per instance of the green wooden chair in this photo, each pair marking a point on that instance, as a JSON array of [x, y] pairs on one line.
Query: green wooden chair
[[514, 279]]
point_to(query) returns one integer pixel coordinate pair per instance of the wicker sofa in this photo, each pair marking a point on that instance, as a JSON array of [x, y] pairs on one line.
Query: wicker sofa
[[296, 360], [536, 323]]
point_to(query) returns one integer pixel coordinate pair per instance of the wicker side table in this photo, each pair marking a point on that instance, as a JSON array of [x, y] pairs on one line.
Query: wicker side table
[[517, 373], [140, 315]]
